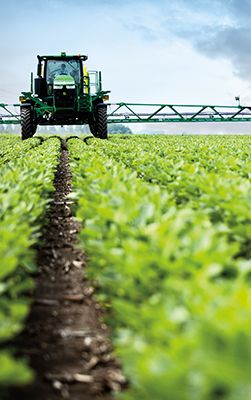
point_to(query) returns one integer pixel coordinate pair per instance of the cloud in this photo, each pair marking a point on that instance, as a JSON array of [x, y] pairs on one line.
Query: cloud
[[218, 29], [240, 9], [232, 43], [215, 28], [225, 33]]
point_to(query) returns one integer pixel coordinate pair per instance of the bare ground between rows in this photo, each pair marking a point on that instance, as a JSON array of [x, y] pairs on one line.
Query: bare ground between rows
[[64, 339]]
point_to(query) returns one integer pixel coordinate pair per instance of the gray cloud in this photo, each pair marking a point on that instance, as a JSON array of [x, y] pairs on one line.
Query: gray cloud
[[241, 9], [217, 29], [232, 43]]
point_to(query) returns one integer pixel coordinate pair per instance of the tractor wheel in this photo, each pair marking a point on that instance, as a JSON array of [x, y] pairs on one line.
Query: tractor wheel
[[28, 128], [101, 119], [98, 122]]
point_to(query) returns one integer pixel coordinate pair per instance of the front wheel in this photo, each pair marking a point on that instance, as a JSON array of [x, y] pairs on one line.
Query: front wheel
[[28, 127]]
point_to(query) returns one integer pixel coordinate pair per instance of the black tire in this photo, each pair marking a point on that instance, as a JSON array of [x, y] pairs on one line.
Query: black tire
[[28, 128], [101, 118]]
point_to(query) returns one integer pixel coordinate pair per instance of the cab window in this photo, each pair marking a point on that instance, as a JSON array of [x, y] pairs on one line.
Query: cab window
[[62, 67]]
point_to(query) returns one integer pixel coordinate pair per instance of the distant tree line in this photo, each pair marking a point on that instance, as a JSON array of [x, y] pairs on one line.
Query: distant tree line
[[112, 129], [119, 128]]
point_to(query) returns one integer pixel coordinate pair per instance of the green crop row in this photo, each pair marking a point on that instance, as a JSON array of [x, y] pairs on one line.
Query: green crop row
[[13, 147], [208, 173], [162, 159], [176, 288], [172, 148], [26, 184]]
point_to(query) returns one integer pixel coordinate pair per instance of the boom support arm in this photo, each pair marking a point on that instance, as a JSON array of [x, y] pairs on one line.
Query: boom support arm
[[144, 113], [8, 114], [154, 113]]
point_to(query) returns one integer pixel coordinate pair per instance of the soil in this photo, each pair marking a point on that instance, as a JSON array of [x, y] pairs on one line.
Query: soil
[[65, 340]]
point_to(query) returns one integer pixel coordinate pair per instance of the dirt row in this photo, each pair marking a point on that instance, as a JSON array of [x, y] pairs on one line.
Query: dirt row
[[65, 339]]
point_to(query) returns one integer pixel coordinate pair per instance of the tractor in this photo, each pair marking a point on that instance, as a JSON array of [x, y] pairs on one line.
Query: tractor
[[65, 94]]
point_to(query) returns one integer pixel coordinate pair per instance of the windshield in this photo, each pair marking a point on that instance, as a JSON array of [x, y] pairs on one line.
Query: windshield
[[62, 67]]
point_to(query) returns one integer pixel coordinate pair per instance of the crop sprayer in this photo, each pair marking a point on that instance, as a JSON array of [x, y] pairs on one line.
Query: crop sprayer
[[65, 93]]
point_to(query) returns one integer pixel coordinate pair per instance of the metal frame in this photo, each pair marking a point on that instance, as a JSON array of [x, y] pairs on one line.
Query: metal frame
[[11, 117], [154, 113], [150, 112]]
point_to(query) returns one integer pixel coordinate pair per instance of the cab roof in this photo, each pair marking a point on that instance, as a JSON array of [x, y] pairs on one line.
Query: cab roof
[[63, 56]]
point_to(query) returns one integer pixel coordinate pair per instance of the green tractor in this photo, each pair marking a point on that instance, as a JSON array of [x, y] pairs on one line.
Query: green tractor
[[65, 94]]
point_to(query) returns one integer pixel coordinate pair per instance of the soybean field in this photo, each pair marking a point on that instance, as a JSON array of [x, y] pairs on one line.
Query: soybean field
[[125, 267]]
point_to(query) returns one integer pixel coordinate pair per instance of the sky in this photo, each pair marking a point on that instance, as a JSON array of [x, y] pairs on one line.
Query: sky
[[163, 51]]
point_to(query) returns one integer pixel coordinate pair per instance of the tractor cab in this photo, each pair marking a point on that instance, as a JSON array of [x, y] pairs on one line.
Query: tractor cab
[[60, 79]]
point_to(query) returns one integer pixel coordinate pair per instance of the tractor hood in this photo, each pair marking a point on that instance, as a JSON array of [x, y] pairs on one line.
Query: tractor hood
[[64, 80]]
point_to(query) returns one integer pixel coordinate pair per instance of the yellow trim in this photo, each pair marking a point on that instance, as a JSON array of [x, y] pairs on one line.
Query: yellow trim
[[86, 80]]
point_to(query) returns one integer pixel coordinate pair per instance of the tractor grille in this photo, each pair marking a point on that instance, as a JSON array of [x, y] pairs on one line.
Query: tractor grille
[[64, 98]]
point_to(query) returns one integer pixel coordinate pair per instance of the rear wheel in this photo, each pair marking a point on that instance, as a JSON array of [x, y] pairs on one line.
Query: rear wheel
[[28, 127], [102, 122], [98, 122]]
